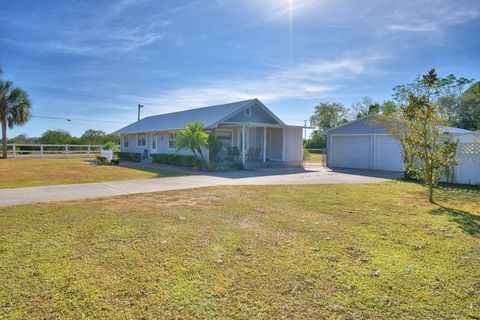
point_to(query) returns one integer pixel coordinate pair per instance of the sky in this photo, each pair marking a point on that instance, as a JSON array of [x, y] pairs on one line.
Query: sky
[[94, 61]]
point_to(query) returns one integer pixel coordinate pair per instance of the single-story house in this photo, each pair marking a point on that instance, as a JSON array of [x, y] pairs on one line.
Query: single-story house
[[361, 144], [248, 130]]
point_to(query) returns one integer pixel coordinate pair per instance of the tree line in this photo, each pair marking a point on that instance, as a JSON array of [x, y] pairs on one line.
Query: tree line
[[90, 136]]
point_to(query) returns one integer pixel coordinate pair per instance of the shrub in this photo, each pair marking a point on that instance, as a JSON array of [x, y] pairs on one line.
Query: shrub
[[129, 156], [178, 159], [111, 145], [114, 162], [102, 160]]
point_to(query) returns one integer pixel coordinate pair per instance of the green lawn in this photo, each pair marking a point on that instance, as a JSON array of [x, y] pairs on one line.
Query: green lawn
[[376, 251], [315, 157], [16, 172]]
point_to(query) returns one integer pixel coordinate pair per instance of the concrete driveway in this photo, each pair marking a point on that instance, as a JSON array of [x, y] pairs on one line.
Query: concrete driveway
[[311, 174]]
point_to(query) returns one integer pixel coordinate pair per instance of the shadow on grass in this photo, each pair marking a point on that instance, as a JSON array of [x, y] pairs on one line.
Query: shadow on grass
[[469, 222]]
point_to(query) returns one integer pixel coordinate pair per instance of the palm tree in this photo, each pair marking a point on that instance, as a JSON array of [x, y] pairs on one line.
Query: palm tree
[[193, 137], [14, 109]]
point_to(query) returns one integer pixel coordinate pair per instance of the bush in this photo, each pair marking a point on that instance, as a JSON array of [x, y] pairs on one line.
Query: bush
[[102, 160], [114, 162], [111, 145], [178, 159], [129, 156]]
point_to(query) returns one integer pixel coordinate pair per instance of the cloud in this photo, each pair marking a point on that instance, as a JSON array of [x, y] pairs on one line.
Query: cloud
[[432, 16], [306, 81]]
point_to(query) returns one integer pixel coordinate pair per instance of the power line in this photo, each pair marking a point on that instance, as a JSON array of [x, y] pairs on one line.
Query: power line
[[76, 119]]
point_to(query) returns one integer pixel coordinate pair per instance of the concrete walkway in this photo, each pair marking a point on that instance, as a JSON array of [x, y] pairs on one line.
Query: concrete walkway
[[312, 174]]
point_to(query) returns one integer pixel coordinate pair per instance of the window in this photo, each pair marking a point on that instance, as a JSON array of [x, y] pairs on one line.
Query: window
[[248, 112], [125, 141], [141, 140], [225, 137], [172, 143]]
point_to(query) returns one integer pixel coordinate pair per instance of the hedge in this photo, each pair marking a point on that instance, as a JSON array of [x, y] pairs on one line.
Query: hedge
[[177, 159], [130, 156]]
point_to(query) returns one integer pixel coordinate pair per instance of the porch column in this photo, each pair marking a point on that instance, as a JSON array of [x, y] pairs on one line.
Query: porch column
[[264, 144], [243, 145]]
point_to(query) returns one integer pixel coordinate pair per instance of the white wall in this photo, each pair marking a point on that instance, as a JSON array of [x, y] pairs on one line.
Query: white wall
[[293, 146]]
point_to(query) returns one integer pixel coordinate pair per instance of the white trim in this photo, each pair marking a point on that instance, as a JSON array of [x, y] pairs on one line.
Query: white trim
[[264, 144], [168, 139], [154, 138], [244, 140], [360, 134], [145, 134]]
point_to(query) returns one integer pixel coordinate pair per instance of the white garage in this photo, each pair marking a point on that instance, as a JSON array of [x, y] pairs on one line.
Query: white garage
[[362, 145]]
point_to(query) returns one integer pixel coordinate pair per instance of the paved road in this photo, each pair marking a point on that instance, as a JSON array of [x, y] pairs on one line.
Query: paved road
[[312, 174]]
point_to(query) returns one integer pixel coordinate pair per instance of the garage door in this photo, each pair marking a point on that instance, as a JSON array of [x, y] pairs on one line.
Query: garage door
[[351, 152], [387, 154]]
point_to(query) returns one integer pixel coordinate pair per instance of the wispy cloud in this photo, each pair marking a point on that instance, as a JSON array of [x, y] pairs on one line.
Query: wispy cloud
[[432, 16], [306, 81], [103, 31]]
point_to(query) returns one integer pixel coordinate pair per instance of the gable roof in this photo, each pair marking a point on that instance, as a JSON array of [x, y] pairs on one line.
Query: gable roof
[[210, 116]]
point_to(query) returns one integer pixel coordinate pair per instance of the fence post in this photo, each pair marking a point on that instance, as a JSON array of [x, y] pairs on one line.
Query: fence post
[[14, 150], [66, 150], [41, 150], [89, 151]]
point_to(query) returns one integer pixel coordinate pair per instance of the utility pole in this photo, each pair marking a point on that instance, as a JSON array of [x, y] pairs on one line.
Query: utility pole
[[139, 106]]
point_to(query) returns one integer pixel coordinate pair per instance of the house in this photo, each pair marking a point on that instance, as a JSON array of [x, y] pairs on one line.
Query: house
[[249, 132], [361, 144]]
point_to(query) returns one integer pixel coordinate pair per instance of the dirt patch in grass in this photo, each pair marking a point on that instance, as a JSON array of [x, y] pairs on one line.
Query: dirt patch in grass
[[376, 251]]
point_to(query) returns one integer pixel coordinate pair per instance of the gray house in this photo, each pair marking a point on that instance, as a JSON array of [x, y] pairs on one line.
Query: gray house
[[249, 131]]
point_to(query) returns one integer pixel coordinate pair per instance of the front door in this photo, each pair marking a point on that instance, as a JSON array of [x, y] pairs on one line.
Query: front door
[[153, 144]]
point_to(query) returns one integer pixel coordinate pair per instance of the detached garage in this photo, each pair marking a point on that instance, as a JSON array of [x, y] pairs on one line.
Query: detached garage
[[362, 145]]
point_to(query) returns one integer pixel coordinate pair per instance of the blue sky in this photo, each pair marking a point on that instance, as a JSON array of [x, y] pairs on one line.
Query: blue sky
[[98, 59]]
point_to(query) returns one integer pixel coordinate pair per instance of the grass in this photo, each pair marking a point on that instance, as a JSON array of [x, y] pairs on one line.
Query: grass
[[16, 173], [315, 157], [377, 251]]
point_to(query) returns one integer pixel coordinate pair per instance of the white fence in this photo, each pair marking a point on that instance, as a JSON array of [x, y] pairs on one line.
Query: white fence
[[468, 155], [18, 150]]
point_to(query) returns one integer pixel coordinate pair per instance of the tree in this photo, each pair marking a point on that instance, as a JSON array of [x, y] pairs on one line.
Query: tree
[[468, 115], [388, 107], [92, 136], [366, 107], [114, 138], [317, 140], [56, 137], [193, 137], [214, 147], [328, 115], [424, 121], [15, 108], [445, 93]]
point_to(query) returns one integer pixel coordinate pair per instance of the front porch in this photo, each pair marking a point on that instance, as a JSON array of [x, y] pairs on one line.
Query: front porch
[[254, 145]]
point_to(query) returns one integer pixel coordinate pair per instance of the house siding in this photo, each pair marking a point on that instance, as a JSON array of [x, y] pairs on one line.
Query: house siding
[[293, 146], [258, 115]]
